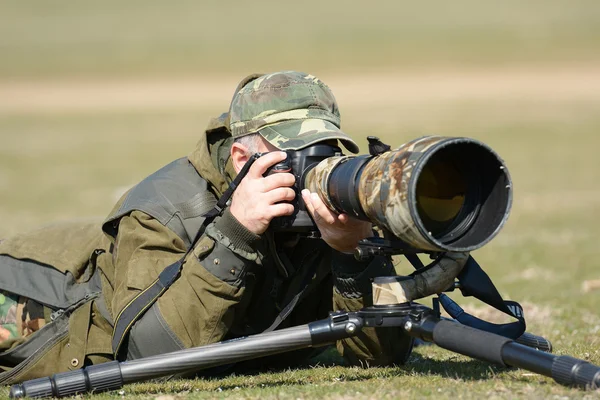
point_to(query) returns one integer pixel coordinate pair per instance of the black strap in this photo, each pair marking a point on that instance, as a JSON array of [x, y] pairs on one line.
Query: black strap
[[510, 330], [222, 203], [475, 282], [287, 310], [416, 262], [142, 302], [281, 260], [146, 298]]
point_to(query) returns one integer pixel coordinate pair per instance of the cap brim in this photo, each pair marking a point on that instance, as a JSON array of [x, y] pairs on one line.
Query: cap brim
[[300, 133]]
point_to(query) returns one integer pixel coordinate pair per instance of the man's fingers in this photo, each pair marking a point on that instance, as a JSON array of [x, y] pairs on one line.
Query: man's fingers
[[307, 201], [280, 194], [317, 208], [261, 165], [280, 179], [281, 209], [322, 210], [343, 218]]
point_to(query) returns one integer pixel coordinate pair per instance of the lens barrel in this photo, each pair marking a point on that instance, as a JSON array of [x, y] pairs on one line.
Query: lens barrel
[[434, 193]]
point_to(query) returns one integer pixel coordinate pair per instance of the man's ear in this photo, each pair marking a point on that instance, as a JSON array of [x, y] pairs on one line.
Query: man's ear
[[239, 156]]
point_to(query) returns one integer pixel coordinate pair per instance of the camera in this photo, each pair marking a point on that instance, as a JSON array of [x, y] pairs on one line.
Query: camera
[[299, 163]]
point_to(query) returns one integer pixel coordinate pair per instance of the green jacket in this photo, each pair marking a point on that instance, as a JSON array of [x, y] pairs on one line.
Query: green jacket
[[233, 283]]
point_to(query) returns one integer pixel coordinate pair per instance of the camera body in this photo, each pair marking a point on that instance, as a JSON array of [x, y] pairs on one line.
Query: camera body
[[299, 163]]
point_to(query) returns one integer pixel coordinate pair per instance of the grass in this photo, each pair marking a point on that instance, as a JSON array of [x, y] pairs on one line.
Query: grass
[[61, 166], [67, 162]]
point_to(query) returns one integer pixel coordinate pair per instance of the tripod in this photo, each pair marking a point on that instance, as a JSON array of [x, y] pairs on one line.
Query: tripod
[[415, 320], [393, 307]]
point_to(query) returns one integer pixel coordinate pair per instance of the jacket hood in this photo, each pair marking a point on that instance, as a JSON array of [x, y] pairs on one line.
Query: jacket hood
[[211, 155]]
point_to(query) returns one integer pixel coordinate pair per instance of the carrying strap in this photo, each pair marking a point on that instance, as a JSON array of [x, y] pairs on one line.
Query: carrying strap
[[475, 282], [287, 310], [143, 301], [510, 330], [222, 203], [146, 298], [282, 263]]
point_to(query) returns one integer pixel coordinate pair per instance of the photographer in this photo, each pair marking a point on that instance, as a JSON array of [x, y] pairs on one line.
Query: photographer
[[77, 294]]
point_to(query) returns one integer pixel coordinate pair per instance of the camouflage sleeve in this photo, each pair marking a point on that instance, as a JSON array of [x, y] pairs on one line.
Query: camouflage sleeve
[[198, 307], [352, 291]]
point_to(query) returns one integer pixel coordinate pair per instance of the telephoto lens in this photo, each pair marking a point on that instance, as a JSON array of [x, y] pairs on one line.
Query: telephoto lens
[[434, 193]]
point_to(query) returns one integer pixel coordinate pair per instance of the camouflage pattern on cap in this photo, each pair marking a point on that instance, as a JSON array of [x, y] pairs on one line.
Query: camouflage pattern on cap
[[291, 110]]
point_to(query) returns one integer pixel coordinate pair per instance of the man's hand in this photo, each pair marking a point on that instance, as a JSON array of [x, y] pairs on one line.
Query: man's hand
[[339, 231], [257, 200]]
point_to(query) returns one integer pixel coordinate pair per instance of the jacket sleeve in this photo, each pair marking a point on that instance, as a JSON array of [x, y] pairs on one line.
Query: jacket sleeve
[[352, 291], [199, 306]]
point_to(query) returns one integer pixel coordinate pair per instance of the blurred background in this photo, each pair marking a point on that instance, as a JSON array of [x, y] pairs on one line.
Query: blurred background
[[94, 96]]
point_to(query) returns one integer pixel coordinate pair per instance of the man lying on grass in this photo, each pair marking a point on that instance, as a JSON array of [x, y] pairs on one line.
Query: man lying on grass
[[77, 294]]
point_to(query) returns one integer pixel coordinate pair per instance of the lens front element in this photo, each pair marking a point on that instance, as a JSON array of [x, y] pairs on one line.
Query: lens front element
[[441, 191]]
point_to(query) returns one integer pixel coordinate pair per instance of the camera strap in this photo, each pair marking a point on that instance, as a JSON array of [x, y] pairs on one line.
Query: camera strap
[[222, 203], [475, 282], [146, 298], [289, 307], [511, 330], [218, 209]]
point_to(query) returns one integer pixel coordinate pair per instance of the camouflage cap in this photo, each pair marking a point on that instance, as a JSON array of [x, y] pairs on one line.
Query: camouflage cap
[[291, 110]]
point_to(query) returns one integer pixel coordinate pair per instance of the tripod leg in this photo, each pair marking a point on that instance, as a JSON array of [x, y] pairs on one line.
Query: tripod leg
[[497, 349], [113, 375]]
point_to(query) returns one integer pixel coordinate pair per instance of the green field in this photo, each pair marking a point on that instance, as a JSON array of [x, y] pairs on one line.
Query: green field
[[76, 130]]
